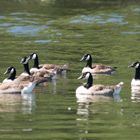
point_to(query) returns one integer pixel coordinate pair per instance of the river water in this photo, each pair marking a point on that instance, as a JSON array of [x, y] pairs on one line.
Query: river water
[[60, 32]]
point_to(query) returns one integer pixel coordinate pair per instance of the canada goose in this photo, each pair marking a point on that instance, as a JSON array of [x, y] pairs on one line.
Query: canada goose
[[97, 68], [49, 67], [135, 83], [12, 74], [17, 86], [90, 89], [26, 75]]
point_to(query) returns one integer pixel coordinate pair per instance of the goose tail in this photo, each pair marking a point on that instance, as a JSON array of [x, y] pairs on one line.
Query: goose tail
[[118, 88], [120, 84]]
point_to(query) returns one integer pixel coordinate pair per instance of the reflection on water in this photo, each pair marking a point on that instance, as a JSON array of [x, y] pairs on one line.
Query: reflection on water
[[24, 103], [135, 93], [98, 98], [28, 103], [27, 30], [99, 19], [63, 31], [82, 120]]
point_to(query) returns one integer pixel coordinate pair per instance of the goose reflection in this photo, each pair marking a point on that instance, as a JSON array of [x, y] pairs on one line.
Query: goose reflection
[[84, 110], [135, 96], [17, 103], [82, 119], [28, 103]]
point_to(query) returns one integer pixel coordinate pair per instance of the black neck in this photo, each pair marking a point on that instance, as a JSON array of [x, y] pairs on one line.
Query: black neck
[[89, 63], [89, 82], [137, 74], [26, 69], [36, 63], [12, 76]]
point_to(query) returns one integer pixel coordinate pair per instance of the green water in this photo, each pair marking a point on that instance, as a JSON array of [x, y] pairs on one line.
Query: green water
[[61, 31]]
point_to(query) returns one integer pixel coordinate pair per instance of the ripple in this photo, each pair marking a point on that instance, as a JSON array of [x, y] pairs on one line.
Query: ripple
[[98, 19], [2, 17], [6, 24], [131, 33], [28, 30], [85, 19], [42, 41]]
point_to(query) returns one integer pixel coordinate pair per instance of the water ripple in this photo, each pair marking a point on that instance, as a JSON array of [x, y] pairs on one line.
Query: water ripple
[[29, 30], [98, 19], [130, 33]]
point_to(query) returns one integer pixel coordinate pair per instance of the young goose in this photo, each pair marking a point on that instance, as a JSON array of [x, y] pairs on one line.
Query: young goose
[[97, 68], [48, 67], [135, 83], [12, 74], [90, 89]]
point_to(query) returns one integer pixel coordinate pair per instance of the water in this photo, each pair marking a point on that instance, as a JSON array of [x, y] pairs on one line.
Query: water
[[61, 32]]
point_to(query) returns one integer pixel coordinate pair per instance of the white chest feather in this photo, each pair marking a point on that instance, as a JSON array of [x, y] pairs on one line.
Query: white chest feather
[[87, 69], [82, 92], [7, 80], [33, 70], [135, 82], [135, 86], [24, 74]]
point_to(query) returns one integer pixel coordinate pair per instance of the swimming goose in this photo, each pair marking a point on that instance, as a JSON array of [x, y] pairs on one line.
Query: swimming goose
[[12, 74], [17, 86], [26, 75], [49, 67], [97, 68], [135, 83], [90, 89]]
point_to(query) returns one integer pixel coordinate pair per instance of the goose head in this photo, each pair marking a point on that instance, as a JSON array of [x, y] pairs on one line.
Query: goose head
[[136, 65], [88, 59], [25, 61], [12, 74], [33, 56], [10, 70], [88, 77]]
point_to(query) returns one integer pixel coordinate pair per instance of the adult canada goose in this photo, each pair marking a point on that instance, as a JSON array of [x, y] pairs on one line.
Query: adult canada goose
[[26, 75], [90, 89], [96, 68], [12, 74], [135, 83], [48, 67], [17, 86]]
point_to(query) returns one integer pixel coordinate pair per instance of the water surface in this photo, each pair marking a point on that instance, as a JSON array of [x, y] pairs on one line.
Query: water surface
[[61, 31]]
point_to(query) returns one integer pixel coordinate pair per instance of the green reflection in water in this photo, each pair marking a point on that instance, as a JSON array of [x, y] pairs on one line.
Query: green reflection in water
[[61, 31]]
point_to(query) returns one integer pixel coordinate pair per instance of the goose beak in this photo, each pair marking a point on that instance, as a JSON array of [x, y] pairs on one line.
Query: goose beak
[[6, 72], [130, 66], [82, 59], [80, 77], [29, 57]]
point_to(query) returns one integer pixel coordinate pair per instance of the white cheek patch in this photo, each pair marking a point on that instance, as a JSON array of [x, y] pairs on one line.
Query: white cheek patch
[[25, 62], [87, 76], [137, 65], [34, 56], [12, 70], [88, 57]]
